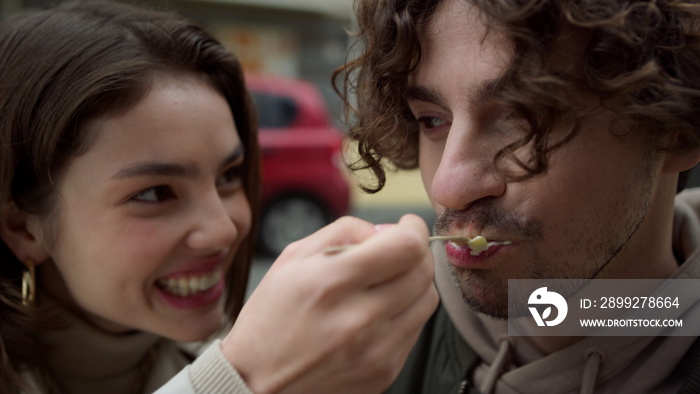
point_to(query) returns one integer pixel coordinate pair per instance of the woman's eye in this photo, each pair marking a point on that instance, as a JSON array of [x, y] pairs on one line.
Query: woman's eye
[[232, 177], [154, 194]]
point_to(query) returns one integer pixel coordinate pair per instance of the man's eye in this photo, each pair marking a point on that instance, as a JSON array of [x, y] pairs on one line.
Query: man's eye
[[428, 123], [154, 194], [232, 177]]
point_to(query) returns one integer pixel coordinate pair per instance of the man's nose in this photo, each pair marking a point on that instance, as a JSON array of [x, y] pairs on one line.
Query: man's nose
[[466, 172]]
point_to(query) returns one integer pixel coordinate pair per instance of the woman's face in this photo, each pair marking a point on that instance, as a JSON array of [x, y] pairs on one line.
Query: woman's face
[[151, 215]]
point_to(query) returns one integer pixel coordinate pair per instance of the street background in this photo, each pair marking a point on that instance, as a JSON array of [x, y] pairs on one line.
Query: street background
[[305, 39]]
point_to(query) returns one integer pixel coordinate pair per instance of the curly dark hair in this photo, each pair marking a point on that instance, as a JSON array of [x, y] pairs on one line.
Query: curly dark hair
[[640, 55], [62, 67]]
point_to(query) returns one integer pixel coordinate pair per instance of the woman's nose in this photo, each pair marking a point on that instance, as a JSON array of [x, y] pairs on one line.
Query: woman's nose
[[214, 226]]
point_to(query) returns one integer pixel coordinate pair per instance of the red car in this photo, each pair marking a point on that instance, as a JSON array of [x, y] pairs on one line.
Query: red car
[[304, 181]]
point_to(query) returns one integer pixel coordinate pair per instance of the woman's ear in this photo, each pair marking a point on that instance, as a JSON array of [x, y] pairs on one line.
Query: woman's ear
[[22, 234]]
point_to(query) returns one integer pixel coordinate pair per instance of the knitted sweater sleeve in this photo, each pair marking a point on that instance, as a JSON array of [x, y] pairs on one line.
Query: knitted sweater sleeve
[[209, 373]]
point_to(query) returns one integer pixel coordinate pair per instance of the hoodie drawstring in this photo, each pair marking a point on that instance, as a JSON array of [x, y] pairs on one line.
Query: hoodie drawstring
[[496, 367], [593, 357]]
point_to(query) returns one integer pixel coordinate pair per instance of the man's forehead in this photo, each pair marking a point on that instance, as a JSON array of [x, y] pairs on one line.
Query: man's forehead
[[450, 15], [456, 39], [465, 22]]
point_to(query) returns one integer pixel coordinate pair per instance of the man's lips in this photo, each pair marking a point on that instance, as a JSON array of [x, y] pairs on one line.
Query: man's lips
[[476, 243], [462, 255]]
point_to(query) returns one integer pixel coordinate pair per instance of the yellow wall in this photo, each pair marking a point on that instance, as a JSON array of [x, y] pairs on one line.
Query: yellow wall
[[403, 189]]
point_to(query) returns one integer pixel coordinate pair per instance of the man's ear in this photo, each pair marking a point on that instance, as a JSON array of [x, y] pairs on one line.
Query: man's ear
[[676, 161], [681, 161], [22, 233]]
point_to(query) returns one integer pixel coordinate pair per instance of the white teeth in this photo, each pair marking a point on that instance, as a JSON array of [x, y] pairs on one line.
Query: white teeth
[[477, 248], [488, 245], [189, 285]]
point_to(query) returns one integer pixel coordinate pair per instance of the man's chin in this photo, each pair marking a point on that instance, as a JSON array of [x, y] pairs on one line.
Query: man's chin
[[486, 306], [483, 294]]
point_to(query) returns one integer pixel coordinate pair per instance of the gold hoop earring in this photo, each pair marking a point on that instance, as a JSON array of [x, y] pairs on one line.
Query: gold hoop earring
[[28, 283]]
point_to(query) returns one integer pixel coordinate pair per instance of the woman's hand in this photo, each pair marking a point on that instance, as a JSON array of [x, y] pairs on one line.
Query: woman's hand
[[342, 322]]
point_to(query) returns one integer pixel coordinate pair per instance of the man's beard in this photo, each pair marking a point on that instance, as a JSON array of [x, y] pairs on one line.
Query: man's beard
[[484, 290], [485, 293], [584, 257]]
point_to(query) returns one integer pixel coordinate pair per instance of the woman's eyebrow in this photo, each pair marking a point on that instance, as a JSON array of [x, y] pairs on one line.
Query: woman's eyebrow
[[237, 155], [156, 168]]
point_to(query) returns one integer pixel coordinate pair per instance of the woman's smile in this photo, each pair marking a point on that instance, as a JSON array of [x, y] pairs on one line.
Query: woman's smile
[[190, 284]]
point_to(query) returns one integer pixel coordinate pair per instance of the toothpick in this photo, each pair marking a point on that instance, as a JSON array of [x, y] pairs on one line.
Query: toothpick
[[340, 248]]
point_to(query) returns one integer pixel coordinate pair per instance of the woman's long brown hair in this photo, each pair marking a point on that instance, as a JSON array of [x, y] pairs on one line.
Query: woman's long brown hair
[[64, 66]]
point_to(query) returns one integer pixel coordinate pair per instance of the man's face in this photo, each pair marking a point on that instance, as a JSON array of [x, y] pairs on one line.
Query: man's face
[[592, 214]]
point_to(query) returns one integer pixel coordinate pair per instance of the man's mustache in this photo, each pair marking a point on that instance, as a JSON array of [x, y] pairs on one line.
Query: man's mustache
[[485, 214]]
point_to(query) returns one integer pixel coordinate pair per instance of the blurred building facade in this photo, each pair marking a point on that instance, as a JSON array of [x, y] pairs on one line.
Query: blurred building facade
[[305, 39]]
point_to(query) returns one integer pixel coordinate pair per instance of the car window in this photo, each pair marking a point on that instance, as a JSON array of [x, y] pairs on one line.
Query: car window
[[274, 111]]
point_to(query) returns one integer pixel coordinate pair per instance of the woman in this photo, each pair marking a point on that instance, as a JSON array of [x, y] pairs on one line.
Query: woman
[[129, 188]]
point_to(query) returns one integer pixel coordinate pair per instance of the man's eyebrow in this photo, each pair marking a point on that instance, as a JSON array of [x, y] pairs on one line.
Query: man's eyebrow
[[486, 91], [483, 93], [426, 94]]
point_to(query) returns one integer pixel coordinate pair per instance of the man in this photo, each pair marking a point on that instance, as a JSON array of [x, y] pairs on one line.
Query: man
[[558, 130]]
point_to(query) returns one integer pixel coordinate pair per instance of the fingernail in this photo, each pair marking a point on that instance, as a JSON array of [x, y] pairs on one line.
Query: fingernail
[[381, 227]]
